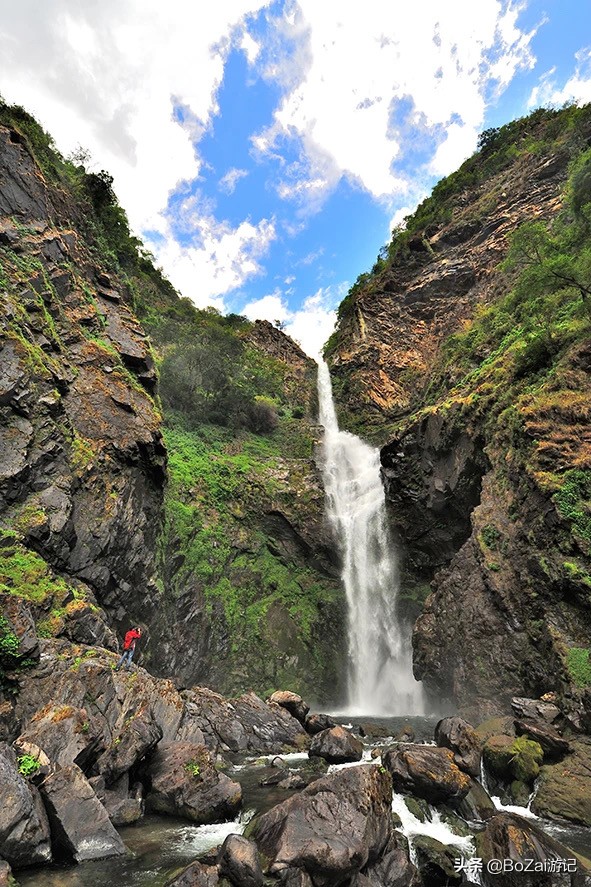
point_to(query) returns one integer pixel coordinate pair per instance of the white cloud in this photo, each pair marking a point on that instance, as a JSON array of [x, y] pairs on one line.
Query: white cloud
[[310, 325], [348, 67], [459, 142], [107, 75], [224, 259], [576, 89], [228, 182]]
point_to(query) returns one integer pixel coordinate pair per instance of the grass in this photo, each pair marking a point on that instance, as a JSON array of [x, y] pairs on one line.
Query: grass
[[578, 664]]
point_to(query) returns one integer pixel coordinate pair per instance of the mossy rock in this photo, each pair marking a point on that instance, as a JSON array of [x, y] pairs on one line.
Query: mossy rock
[[419, 809], [565, 788], [513, 759], [520, 792]]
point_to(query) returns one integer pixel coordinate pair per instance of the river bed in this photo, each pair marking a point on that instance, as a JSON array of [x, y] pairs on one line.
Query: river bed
[[160, 845]]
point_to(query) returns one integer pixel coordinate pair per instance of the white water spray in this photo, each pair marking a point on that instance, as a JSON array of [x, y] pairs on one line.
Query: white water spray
[[380, 678]]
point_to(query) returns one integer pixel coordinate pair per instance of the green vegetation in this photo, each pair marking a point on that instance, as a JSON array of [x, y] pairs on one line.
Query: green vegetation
[[193, 768], [25, 574], [28, 765], [9, 643], [546, 131], [578, 664]]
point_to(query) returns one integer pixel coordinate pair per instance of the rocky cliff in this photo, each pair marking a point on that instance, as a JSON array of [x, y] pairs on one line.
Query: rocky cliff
[[475, 377], [222, 557]]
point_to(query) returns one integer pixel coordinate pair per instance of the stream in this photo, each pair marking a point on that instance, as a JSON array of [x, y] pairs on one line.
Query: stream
[[160, 845]]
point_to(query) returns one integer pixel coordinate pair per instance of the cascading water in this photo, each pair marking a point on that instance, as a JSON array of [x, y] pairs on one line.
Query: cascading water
[[380, 678]]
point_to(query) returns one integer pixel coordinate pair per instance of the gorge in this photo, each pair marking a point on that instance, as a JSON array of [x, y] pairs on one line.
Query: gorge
[[165, 466]]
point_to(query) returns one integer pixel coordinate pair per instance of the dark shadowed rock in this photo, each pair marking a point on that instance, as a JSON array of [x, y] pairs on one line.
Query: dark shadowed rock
[[332, 829], [293, 703], [459, 736], [564, 789], [135, 734], [318, 722], [80, 825], [295, 878], [477, 804], [185, 782], [195, 875], [508, 836], [123, 806], [553, 744], [427, 772], [393, 869], [24, 829], [238, 860], [436, 862], [337, 746], [535, 709]]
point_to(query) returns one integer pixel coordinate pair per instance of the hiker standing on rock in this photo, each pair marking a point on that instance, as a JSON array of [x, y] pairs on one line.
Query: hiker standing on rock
[[133, 635]]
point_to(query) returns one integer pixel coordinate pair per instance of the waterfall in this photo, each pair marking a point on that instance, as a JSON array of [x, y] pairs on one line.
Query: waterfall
[[380, 678]]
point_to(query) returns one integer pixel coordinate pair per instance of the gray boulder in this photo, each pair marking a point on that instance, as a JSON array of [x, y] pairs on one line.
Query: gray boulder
[[24, 829], [66, 734], [459, 736], [184, 782], [318, 722], [195, 875], [80, 825], [332, 829], [337, 746], [427, 772], [238, 860], [510, 837], [292, 703]]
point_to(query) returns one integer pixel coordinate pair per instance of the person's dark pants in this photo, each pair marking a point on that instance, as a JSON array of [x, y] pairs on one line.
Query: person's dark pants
[[126, 656]]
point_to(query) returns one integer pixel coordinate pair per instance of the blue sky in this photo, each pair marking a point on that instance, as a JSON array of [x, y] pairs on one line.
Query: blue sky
[[265, 149]]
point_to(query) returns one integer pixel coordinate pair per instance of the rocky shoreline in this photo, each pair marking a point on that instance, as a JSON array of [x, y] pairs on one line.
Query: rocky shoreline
[[86, 749]]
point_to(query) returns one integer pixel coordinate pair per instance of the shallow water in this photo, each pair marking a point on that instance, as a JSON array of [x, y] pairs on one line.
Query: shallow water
[[160, 845]]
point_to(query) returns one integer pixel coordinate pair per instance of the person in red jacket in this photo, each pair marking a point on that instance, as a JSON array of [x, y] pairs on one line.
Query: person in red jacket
[[133, 635]]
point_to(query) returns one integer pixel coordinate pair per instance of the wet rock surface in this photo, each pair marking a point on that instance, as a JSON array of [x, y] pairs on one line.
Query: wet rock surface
[[80, 825], [426, 772], [24, 828], [238, 861], [509, 837], [184, 782], [195, 875], [306, 830], [337, 746], [459, 736]]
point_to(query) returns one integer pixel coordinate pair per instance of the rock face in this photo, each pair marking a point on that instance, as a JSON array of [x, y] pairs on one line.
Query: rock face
[[306, 830], [478, 494], [83, 461], [337, 746], [195, 875], [426, 772], [184, 782], [564, 790], [239, 862], [82, 464], [24, 829], [509, 837], [80, 825], [459, 736], [293, 703]]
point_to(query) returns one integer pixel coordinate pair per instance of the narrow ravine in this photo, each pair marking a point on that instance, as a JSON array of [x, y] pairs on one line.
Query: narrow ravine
[[380, 680]]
